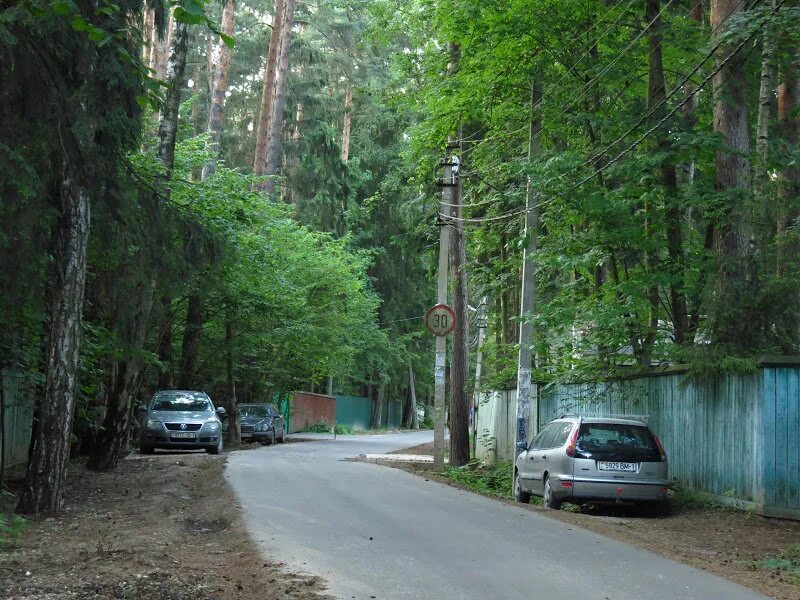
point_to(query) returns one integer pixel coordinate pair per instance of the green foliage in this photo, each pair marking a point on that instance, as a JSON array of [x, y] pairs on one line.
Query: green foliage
[[491, 480], [11, 527], [788, 561], [342, 429], [318, 427]]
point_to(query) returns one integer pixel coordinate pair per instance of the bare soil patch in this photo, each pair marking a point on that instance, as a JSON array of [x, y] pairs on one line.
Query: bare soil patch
[[162, 527], [725, 542]]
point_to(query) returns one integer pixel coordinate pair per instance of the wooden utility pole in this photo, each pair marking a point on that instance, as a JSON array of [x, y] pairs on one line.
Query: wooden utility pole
[[528, 298], [441, 298]]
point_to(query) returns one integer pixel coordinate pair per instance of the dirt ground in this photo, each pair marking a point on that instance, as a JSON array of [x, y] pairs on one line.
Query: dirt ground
[[722, 541], [162, 527]]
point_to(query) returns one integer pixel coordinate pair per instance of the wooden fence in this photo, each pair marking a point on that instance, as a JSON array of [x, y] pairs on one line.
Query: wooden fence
[[735, 436], [17, 419]]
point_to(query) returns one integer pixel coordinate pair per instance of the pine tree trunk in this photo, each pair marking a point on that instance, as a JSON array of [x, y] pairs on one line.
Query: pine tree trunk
[[191, 342], [275, 134], [348, 121], [459, 399], [166, 379], [697, 14], [765, 98], [176, 81], [268, 96], [44, 483], [162, 49], [412, 395], [148, 25], [219, 87], [731, 326], [233, 436]]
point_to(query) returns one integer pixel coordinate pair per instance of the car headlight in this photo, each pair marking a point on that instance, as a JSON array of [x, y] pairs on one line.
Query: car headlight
[[211, 426], [153, 424]]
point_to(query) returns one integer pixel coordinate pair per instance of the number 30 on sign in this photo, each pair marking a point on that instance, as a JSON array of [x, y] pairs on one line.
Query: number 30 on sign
[[440, 320]]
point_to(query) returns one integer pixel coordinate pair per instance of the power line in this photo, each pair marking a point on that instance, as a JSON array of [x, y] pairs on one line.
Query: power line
[[517, 212]]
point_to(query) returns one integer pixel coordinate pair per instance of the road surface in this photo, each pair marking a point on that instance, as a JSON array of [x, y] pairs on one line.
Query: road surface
[[376, 532]]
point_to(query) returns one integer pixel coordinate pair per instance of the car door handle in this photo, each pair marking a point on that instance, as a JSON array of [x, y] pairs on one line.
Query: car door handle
[[544, 457]]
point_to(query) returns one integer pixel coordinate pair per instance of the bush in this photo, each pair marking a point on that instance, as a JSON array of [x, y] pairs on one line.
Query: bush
[[11, 526], [492, 480], [342, 429], [318, 427]]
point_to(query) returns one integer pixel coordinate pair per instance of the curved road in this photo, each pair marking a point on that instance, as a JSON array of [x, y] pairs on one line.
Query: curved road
[[378, 532]]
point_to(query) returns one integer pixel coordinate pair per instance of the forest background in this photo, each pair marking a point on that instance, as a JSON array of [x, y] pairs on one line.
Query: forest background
[[242, 197]]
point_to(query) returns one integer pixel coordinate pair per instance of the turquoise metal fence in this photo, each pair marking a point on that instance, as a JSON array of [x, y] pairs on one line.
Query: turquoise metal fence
[[356, 412], [353, 411], [736, 436], [17, 419]]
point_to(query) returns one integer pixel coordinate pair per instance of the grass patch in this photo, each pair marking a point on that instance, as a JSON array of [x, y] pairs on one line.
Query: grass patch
[[318, 427], [787, 562], [342, 429], [489, 480], [686, 497], [11, 527]]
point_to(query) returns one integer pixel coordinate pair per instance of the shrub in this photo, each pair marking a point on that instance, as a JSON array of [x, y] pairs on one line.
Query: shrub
[[318, 427]]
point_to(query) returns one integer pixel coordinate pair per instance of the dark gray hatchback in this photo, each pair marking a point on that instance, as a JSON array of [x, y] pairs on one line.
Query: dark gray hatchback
[[181, 420]]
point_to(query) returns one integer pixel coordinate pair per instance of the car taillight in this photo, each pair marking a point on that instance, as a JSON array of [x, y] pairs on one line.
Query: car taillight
[[660, 448], [573, 441]]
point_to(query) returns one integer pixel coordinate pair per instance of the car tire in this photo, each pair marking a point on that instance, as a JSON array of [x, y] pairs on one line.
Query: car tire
[[520, 495], [146, 449], [216, 449], [550, 501], [272, 437], [282, 439]]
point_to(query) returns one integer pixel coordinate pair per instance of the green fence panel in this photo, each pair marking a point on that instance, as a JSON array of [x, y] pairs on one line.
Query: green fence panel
[[394, 414], [354, 411]]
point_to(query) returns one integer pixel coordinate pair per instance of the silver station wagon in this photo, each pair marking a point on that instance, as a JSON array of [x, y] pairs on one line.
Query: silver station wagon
[[592, 460], [181, 420]]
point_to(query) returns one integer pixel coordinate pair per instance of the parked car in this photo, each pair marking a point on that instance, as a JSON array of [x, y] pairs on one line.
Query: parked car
[[591, 460], [180, 419], [261, 423]]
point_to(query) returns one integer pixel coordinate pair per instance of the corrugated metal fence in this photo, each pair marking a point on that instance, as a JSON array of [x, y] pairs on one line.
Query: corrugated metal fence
[[736, 436], [18, 418]]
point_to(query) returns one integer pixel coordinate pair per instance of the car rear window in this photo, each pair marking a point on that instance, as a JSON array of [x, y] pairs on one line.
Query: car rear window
[[611, 441]]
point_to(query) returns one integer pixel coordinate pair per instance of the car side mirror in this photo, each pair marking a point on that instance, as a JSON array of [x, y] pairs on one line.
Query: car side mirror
[[221, 411], [522, 445]]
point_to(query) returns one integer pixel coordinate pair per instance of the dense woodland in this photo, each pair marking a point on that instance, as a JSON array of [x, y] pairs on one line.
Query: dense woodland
[[243, 198]]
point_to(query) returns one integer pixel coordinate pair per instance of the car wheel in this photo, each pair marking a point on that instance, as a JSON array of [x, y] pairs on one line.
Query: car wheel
[[520, 495], [146, 449], [550, 501], [216, 449], [272, 437], [282, 439]]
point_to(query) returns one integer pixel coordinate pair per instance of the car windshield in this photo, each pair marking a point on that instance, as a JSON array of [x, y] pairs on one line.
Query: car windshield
[[182, 402], [254, 411], [610, 441]]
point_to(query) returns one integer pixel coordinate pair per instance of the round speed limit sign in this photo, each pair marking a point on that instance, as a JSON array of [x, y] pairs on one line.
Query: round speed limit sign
[[440, 319]]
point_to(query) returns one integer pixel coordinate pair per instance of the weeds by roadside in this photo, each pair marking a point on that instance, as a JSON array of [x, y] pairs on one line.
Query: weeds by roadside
[[491, 480], [11, 527], [787, 562]]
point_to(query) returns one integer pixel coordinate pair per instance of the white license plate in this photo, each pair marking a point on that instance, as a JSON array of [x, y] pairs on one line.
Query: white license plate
[[183, 435], [247, 435], [617, 466]]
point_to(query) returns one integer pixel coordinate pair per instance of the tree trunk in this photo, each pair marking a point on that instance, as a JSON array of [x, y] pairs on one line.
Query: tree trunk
[[268, 95], [191, 342], [348, 121], [697, 14], [176, 73], [44, 481], [413, 423], [669, 180], [162, 49], [113, 440], [765, 96], [219, 87], [459, 399], [233, 436], [148, 25], [377, 407], [731, 325], [275, 134], [166, 378]]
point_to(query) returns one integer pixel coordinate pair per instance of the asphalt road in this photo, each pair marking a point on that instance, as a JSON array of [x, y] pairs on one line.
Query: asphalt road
[[377, 532]]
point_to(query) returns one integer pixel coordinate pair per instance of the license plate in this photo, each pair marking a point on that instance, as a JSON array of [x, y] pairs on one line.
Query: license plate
[[183, 435], [247, 435], [616, 466]]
